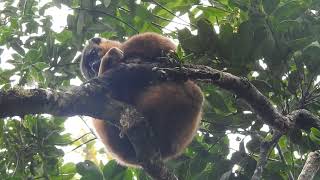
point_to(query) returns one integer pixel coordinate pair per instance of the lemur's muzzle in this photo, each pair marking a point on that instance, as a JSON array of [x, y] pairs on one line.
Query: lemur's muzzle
[[93, 56]]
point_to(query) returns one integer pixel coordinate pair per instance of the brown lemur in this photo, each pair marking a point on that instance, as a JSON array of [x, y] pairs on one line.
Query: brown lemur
[[173, 109]]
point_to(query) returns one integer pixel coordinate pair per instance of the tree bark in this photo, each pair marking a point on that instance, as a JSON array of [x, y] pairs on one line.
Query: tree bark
[[93, 99], [311, 166]]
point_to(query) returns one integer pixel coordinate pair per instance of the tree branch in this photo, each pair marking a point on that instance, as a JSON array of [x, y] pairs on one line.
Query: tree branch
[[265, 148], [93, 99], [311, 166], [290, 174]]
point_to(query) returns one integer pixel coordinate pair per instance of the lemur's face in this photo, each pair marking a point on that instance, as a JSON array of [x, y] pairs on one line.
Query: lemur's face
[[92, 54]]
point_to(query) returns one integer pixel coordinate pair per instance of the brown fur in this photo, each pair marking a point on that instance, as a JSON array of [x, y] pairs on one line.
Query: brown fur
[[173, 109]]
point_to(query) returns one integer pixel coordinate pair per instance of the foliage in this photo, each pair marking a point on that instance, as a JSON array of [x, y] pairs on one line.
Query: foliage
[[273, 43]]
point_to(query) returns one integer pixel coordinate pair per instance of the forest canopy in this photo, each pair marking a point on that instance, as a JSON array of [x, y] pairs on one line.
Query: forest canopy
[[257, 62]]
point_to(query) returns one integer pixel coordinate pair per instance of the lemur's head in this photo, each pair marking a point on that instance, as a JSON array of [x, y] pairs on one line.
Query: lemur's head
[[92, 54]]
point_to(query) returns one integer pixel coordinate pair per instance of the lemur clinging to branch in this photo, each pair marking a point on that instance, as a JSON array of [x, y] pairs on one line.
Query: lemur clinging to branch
[[173, 109]]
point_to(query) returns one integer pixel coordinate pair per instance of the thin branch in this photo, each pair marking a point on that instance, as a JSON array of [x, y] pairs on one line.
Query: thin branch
[[311, 166], [92, 139], [110, 15], [71, 142], [290, 174], [169, 11], [265, 148], [90, 129], [170, 20]]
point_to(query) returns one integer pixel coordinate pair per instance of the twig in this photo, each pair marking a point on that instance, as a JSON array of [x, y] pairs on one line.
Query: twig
[[170, 20], [110, 15], [71, 142], [90, 129], [290, 174], [265, 147], [169, 11], [83, 144]]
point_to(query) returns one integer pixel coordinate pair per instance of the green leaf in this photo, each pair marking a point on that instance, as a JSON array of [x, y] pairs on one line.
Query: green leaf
[[207, 35], [310, 56], [106, 3], [197, 165], [294, 81], [28, 7], [242, 4], [45, 7], [67, 171], [226, 175], [300, 43], [16, 45], [114, 171], [289, 10], [270, 5], [88, 170], [64, 36], [189, 42], [32, 55], [315, 132], [81, 22], [314, 138], [100, 27], [226, 32]]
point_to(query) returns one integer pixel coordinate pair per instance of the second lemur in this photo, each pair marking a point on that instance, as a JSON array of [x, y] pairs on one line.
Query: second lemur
[[173, 109]]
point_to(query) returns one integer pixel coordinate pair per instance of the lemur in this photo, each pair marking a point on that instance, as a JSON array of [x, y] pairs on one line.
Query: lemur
[[173, 109]]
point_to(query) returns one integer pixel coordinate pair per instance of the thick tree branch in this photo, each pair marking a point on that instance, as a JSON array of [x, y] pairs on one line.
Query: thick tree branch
[[239, 86], [311, 166], [89, 99], [93, 99]]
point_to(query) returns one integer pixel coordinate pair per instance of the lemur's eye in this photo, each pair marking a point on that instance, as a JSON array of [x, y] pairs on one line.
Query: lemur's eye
[[96, 40], [95, 52]]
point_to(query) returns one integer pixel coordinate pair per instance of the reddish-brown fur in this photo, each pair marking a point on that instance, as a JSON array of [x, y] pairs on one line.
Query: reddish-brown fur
[[172, 108]]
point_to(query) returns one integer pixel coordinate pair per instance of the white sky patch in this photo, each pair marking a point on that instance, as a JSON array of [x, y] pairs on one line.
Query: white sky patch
[[317, 80], [234, 144], [216, 28], [255, 74], [247, 112], [262, 64], [206, 3], [76, 56], [198, 14], [265, 128], [59, 17], [76, 127], [138, 1], [151, 6], [177, 23], [75, 82], [284, 77], [6, 55], [296, 155]]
